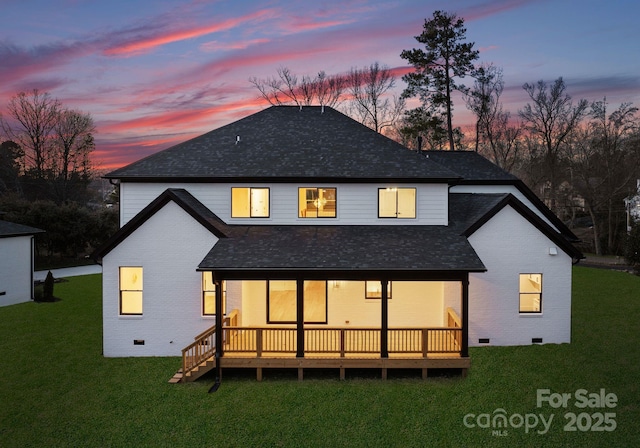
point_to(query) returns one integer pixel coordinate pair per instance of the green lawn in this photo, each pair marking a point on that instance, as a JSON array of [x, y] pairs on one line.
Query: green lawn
[[57, 389]]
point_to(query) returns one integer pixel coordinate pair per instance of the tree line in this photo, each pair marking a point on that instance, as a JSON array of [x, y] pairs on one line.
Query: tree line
[[46, 174], [580, 158], [47, 147]]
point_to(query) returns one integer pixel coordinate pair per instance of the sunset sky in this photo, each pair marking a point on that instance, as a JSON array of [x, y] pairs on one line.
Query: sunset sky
[[153, 73]]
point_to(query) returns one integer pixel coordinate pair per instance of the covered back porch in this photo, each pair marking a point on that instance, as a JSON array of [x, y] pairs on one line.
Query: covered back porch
[[248, 343], [292, 261]]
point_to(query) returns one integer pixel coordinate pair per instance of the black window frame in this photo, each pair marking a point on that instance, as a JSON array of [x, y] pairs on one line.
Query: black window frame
[[397, 214], [307, 189], [520, 294], [366, 290], [250, 216], [326, 305]]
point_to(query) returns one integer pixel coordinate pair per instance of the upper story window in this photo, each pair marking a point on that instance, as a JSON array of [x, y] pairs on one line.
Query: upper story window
[[249, 202], [317, 202], [396, 202], [130, 290], [530, 293]]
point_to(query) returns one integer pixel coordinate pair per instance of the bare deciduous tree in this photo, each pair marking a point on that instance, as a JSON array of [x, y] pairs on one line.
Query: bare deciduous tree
[[483, 99], [56, 143], [496, 137], [369, 90], [551, 117], [605, 159], [287, 88], [74, 142], [32, 118]]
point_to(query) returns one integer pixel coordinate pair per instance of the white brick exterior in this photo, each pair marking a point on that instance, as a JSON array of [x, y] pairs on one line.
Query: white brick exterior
[[509, 245], [16, 270], [169, 247]]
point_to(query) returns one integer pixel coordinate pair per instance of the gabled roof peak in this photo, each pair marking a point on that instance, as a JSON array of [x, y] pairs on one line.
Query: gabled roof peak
[[183, 199]]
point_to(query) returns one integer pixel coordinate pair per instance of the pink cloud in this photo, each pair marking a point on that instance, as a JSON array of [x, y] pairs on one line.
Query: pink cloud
[[299, 24], [489, 48], [240, 45], [19, 63], [138, 45], [487, 9], [119, 149]]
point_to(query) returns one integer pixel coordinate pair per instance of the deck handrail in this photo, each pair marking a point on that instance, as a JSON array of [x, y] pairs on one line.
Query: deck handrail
[[453, 320], [203, 347], [338, 340], [199, 350]]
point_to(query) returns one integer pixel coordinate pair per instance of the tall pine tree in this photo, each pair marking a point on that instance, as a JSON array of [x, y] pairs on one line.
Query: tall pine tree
[[445, 59]]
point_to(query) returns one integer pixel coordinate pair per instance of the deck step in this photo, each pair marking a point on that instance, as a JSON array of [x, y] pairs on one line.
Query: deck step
[[176, 378], [195, 373]]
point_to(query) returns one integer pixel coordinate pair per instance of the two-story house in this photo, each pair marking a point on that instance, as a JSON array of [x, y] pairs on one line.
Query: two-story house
[[326, 244]]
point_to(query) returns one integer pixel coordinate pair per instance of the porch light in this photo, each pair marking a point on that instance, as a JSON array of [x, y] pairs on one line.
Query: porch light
[[553, 251]]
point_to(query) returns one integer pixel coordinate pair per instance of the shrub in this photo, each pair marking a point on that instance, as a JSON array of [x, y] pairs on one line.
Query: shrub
[[48, 288]]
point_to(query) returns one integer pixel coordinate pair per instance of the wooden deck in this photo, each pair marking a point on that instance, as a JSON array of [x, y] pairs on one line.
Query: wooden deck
[[326, 348]]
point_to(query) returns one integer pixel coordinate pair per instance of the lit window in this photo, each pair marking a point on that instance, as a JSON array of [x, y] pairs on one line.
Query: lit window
[[317, 202], [249, 202], [373, 290], [282, 301], [397, 203], [530, 293], [315, 301], [130, 290], [209, 296]]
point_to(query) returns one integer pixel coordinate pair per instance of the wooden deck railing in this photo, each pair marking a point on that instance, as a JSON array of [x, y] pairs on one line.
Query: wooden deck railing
[[203, 347], [318, 341], [342, 341], [453, 320]]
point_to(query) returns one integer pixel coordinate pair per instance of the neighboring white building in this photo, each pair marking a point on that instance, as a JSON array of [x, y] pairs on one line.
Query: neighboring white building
[[318, 238], [632, 206], [16, 263]]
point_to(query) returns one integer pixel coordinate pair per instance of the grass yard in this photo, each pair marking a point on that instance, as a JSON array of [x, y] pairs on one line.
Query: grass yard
[[57, 390]]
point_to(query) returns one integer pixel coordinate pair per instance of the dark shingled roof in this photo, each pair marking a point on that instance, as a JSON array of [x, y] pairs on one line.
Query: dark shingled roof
[[345, 248], [470, 165], [466, 209], [283, 143], [9, 229], [475, 169]]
